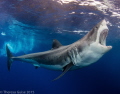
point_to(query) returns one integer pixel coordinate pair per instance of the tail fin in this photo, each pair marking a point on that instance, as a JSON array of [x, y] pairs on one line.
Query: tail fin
[[9, 56]]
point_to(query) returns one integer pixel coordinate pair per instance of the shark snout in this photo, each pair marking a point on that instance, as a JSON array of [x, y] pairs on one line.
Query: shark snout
[[103, 22]]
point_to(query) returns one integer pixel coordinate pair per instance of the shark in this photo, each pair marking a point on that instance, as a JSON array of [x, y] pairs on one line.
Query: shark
[[79, 54]]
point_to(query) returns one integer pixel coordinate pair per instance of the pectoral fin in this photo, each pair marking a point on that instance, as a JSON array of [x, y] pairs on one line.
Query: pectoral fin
[[36, 66], [65, 69]]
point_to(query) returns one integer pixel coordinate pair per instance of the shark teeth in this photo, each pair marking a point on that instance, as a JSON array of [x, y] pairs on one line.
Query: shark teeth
[[102, 38], [109, 47]]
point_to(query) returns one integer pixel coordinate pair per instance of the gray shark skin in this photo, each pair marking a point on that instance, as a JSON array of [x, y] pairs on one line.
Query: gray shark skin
[[82, 53]]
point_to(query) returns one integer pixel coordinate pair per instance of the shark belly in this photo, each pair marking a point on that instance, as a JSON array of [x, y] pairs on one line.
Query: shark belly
[[86, 57], [52, 67]]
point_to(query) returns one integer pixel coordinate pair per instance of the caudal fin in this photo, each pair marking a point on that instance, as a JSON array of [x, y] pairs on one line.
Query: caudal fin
[[9, 58]]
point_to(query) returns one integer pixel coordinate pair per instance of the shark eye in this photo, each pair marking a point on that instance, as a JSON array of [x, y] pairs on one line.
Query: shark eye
[[96, 27]]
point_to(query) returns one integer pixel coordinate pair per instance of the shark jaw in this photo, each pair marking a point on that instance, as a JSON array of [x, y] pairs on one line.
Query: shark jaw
[[102, 35], [102, 39], [97, 36], [93, 46]]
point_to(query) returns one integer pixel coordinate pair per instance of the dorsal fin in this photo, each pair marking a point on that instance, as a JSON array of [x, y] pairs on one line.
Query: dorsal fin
[[56, 44]]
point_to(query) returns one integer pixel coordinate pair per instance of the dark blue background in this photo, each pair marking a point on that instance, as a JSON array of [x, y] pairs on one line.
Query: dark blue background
[[35, 31]]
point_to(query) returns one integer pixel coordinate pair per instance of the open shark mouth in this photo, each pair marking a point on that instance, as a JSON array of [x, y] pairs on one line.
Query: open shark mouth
[[102, 38]]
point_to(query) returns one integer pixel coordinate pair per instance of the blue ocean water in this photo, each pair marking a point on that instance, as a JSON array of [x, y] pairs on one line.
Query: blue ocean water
[[30, 26]]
